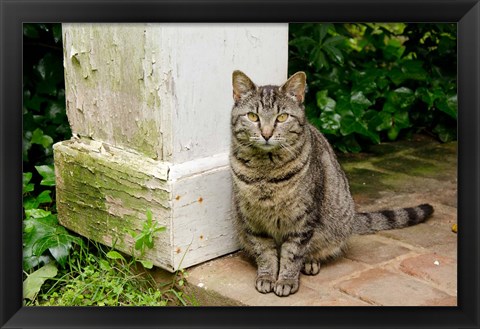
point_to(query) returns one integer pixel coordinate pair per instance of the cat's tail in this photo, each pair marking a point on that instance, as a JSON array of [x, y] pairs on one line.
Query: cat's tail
[[370, 222]]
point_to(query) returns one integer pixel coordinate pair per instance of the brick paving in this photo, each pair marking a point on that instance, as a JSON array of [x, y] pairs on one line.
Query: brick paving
[[415, 266]]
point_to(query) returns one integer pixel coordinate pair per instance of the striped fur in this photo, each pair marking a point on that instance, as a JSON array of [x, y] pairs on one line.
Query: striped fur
[[292, 201]]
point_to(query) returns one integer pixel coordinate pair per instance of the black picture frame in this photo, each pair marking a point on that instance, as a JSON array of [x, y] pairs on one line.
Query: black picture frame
[[14, 13]]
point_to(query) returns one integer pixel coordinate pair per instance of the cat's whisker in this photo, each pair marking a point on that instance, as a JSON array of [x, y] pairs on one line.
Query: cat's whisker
[[287, 148]]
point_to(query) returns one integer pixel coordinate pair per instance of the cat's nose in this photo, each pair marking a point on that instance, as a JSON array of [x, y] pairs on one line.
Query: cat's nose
[[267, 133]]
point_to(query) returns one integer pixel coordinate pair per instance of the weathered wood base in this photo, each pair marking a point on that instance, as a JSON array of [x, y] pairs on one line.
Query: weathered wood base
[[103, 192]]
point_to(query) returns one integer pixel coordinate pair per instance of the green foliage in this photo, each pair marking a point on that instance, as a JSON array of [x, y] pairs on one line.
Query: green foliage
[[34, 281], [98, 278], [144, 239], [44, 117], [44, 238], [46, 243], [372, 82]]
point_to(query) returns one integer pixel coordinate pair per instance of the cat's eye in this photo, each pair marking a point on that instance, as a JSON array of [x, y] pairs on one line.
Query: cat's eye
[[252, 116], [282, 117]]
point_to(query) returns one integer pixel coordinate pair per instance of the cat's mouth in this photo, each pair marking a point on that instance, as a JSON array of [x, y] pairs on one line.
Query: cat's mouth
[[267, 145]]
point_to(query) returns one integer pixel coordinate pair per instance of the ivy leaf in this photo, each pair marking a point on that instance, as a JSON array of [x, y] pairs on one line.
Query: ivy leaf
[[329, 122], [350, 124], [48, 174], [408, 70], [359, 103], [27, 186], [401, 120], [37, 213], [445, 133], [448, 105], [399, 99], [34, 229], [44, 233], [379, 120], [58, 243], [324, 102], [39, 138], [393, 50], [430, 95], [33, 202]]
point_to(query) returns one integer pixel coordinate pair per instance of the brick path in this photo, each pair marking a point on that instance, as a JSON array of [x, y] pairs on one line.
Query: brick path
[[415, 266]]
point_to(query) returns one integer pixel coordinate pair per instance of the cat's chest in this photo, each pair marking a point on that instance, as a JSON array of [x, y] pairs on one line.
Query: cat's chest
[[272, 209]]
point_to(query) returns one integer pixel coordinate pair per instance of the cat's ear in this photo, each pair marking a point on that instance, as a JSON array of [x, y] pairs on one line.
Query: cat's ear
[[295, 86], [241, 85]]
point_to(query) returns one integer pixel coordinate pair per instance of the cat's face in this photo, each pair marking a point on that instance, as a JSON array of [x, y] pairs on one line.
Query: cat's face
[[268, 117]]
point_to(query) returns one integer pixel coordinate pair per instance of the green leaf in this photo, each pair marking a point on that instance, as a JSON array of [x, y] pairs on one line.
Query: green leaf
[[401, 120], [112, 254], [319, 59], [146, 263], [393, 133], [322, 31], [334, 53], [393, 50], [400, 99], [149, 241], [408, 70], [350, 124], [149, 217], [448, 105], [42, 233], [44, 197], [445, 133], [429, 95], [367, 81], [30, 203], [303, 42], [379, 120], [33, 283], [332, 41], [159, 229], [324, 102], [58, 244], [48, 174], [27, 186], [104, 265], [39, 138], [37, 213], [140, 241], [359, 103], [329, 122]]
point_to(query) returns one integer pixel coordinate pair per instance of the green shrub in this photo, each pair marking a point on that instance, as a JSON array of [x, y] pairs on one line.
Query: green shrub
[[374, 82]]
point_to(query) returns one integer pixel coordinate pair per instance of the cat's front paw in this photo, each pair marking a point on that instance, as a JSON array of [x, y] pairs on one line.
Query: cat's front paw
[[311, 267], [265, 284], [285, 287]]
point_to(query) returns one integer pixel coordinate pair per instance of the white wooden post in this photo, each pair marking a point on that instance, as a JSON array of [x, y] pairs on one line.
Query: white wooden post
[[149, 106]]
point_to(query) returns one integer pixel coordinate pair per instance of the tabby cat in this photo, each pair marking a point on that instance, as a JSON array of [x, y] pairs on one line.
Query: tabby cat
[[292, 202]]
